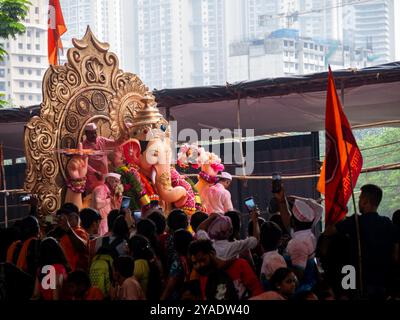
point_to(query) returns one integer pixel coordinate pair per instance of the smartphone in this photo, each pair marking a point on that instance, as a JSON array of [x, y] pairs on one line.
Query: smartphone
[[250, 203], [137, 215], [276, 183], [126, 201], [24, 199]]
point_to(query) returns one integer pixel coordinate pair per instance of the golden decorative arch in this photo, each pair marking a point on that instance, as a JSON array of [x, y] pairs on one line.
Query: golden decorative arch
[[90, 87]]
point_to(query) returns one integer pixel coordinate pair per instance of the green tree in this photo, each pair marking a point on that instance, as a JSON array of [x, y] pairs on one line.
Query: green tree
[[387, 152], [12, 12]]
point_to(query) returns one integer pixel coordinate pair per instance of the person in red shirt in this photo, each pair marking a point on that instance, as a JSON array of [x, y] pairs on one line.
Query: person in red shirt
[[74, 241], [52, 263], [215, 283], [244, 278], [78, 287]]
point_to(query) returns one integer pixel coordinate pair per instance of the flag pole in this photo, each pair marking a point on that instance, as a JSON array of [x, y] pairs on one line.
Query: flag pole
[[4, 186], [354, 205]]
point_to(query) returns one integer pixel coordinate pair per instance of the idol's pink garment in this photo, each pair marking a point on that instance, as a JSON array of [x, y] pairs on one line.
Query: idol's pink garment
[[101, 201], [216, 199], [97, 162]]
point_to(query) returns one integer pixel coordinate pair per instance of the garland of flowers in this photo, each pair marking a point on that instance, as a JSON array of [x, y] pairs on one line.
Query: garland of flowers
[[132, 185], [199, 206], [208, 178], [138, 188]]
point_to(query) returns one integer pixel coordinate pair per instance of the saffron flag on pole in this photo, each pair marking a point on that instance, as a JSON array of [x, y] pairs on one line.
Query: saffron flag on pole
[[56, 28], [341, 155], [1, 165]]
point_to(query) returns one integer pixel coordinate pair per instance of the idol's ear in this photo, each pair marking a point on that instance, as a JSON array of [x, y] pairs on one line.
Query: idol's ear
[[131, 149]]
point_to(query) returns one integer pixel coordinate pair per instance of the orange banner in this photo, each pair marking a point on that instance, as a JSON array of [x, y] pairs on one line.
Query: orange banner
[[341, 154]]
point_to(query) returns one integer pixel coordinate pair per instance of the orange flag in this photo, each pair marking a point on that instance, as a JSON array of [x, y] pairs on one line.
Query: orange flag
[[56, 28], [334, 180]]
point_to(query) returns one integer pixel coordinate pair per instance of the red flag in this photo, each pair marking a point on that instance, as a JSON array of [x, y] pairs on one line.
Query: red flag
[[334, 181], [56, 28]]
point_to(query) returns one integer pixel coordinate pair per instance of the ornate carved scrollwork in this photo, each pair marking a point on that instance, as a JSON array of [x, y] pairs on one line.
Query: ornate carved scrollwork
[[90, 87]]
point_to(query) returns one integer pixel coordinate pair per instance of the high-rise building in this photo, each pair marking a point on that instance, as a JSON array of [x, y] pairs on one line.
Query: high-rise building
[[284, 52], [375, 29], [22, 70], [105, 18], [180, 43]]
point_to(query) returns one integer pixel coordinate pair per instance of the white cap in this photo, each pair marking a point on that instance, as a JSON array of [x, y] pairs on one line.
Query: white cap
[[91, 127], [307, 211], [113, 175], [226, 175]]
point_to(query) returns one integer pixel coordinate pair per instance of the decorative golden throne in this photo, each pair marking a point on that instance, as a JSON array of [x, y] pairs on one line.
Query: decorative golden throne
[[90, 87]]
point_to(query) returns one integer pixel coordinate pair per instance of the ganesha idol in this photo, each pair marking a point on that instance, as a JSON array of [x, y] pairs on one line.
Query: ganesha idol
[[215, 197], [144, 163]]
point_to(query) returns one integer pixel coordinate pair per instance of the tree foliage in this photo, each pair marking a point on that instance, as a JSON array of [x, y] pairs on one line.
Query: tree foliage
[[11, 13], [388, 152]]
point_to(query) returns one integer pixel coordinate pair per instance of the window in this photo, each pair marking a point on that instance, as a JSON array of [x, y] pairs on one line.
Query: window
[[21, 84], [2, 73], [21, 71], [37, 10], [21, 97], [37, 34], [30, 84], [285, 43], [2, 86], [321, 48], [38, 72], [28, 33], [286, 54], [37, 47], [38, 59], [311, 46], [20, 58], [20, 46], [38, 85], [30, 97], [28, 46], [29, 71], [305, 45], [29, 58]]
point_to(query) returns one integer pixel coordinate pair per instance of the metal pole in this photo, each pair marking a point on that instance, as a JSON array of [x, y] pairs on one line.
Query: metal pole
[[355, 207], [4, 186], [240, 136]]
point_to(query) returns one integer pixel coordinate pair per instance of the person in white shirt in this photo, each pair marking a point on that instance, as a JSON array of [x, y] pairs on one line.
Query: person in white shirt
[[271, 236], [303, 244], [219, 228]]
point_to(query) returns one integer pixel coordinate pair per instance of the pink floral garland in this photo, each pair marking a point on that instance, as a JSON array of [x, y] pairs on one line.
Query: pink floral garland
[[208, 178], [178, 180]]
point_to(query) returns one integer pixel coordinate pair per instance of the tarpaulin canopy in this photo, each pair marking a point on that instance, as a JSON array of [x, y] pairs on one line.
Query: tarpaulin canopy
[[287, 104]]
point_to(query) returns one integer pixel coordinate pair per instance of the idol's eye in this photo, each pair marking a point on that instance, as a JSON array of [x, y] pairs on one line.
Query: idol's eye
[[163, 127]]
